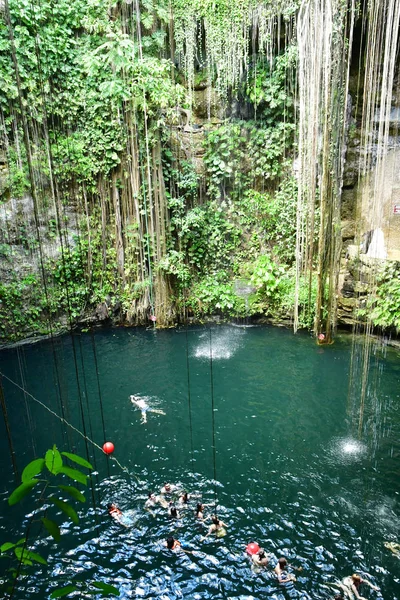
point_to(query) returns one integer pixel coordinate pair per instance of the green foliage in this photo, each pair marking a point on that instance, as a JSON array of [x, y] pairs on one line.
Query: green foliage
[[214, 294], [285, 300], [18, 181], [384, 308], [20, 306], [173, 263], [266, 275], [208, 238], [269, 87], [240, 153], [273, 217], [55, 468], [69, 275]]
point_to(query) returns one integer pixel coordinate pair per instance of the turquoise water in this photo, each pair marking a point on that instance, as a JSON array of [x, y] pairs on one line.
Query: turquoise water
[[291, 469]]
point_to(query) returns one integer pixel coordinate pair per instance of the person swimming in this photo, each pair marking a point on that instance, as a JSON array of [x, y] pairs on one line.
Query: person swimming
[[144, 407], [117, 514], [217, 527], [260, 559], [183, 498], [351, 584], [173, 544], [168, 488], [199, 511], [393, 547], [152, 500], [173, 513], [284, 577]]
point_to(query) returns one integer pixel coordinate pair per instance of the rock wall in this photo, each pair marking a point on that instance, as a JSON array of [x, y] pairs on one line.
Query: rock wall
[[370, 220]]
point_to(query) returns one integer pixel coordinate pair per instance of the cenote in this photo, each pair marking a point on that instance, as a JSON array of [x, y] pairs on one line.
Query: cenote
[[300, 467]]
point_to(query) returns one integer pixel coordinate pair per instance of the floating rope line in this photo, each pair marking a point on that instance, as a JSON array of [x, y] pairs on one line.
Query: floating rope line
[[85, 437]]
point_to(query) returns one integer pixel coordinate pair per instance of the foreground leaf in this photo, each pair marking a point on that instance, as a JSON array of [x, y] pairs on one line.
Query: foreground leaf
[[33, 468], [105, 587], [74, 492], [22, 491], [66, 508], [53, 460], [74, 474], [27, 555], [6, 546], [77, 459], [52, 528], [61, 592]]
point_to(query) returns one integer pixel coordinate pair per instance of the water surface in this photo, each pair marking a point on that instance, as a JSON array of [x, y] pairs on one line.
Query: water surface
[[295, 467]]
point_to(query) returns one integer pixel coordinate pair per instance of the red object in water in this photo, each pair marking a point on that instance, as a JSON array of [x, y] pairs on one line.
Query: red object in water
[[252, 548], [108, 447], [321, 337], [153, 318]]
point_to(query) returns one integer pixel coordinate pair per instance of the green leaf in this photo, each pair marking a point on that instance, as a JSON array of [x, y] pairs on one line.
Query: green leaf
[[61, 592], [24, 554], [6, 546], [74, 474], [105, 587], [72, 491], [33, 468], [66, 508], [52, 528], [21, 491], [77, 459], [53, 460]]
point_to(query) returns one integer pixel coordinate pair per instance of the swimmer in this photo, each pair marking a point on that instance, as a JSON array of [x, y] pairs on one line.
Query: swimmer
[[200, 511], [184, 498], [173, 544], [217, 527], [116, 514], [260, 559], [144, 408], [172, 511], [281, 571], [351, 584], [168, 488], [152, 500], [393, 547]]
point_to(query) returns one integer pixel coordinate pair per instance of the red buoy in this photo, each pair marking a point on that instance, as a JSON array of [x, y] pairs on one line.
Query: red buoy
[[252, 548], [108, 447]]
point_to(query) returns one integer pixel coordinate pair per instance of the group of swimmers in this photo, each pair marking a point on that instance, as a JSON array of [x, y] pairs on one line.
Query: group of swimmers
[[348, 587]]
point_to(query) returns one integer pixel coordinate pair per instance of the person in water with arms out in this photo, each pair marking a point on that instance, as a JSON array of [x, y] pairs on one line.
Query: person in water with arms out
[[144, 407], [284, 577], [351, 584], [117, 514]]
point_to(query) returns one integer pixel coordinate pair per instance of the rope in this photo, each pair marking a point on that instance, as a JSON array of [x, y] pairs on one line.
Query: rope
[[139, 39], [189, 401], [8, 430], [99, 392], [85, 437], [213, 421]]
